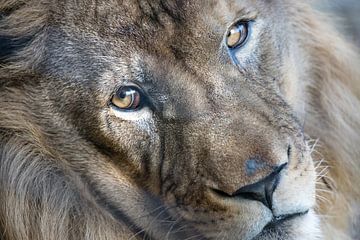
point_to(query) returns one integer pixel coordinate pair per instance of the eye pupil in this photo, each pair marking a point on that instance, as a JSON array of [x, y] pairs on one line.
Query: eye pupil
[[122, 94]]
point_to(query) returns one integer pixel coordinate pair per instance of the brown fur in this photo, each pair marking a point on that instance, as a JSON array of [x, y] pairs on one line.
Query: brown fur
[[70, 170]]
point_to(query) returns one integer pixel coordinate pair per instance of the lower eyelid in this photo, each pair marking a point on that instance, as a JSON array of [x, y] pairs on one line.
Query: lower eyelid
[[143, 113]]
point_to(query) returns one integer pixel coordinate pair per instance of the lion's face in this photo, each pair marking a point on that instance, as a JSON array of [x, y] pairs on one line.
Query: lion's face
[[198, 103]]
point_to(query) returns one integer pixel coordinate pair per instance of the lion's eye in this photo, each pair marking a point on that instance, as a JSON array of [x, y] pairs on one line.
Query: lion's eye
[[237, 34], [127, 98]]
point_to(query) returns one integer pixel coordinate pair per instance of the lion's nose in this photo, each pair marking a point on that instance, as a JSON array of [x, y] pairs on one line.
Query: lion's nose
[[260, 191]]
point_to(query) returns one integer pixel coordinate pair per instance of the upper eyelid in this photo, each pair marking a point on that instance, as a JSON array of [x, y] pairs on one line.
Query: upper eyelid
[[245, 14], [240, 19]]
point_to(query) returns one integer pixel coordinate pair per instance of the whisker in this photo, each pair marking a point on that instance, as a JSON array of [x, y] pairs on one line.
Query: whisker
[[149, 226], [172, 226], [323, 199], [193, 237]]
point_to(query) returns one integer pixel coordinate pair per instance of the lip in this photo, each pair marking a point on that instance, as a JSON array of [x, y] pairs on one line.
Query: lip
[[283, 218], [276, 223]]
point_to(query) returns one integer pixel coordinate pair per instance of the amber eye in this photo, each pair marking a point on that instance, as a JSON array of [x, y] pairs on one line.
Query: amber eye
[[237, 34], [127, 98]]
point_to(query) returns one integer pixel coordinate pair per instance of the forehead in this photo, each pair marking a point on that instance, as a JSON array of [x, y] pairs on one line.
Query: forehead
[[126, 17], [185, 29]]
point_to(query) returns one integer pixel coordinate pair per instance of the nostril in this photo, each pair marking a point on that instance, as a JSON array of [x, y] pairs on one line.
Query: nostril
[[289, 151]]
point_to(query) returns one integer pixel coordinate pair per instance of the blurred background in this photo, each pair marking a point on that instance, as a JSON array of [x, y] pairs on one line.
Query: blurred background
[[348, 12]]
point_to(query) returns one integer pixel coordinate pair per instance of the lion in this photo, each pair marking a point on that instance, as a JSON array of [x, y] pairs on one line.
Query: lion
[[177, 119]]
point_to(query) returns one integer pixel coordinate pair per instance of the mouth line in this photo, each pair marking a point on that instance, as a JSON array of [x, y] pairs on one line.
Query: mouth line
[[283, 218]]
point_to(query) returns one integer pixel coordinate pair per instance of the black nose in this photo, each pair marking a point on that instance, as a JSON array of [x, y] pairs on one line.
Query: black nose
[[260, 191], [263, 190]]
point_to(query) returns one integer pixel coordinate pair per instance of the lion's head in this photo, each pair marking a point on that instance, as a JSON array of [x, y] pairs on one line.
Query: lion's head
[[164, 119]]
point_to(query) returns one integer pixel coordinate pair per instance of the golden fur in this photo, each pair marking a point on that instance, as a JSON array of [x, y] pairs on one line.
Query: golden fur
[[49, 179]]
